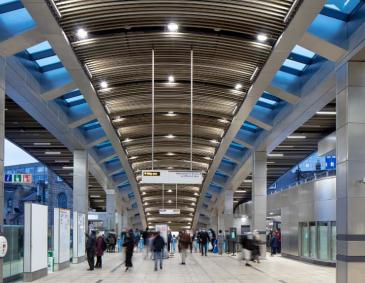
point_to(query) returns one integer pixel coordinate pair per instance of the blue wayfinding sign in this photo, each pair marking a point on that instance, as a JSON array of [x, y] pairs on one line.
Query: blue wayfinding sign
[[330, 162]]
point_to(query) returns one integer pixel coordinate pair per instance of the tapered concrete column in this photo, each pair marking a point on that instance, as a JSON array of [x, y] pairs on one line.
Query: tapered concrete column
[[259, 195], [110, 209], [350, 188], [228, 209], [214, 221], [80, 182], [2, 136]]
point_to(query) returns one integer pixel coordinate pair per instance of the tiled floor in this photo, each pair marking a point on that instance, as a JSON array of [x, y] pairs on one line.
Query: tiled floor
[[198, 269]]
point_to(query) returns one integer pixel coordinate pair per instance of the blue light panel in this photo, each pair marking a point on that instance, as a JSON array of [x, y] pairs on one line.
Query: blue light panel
[[294, 65], [303, 51], [343, 6], [39, 47], [48, 61]]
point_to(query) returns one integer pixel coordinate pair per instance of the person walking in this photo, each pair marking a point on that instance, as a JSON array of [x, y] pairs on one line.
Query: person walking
[[256, 246], [246, 250], [204, 240], [90, 250], [158, 247], [220, 241], [274, 243], [100, 249], [184, 242], [146, 244], [129, 247]]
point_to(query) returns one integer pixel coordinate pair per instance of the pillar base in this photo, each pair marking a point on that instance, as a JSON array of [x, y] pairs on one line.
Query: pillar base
[[31, 276], [60, 266], [78, 259]]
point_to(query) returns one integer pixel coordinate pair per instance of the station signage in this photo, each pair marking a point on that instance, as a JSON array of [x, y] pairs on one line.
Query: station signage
[[18, 178], [172, 177], [169, 211]]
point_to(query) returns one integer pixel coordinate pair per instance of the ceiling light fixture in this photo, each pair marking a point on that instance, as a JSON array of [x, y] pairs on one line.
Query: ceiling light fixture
[[127, 140], [171, 79], [296, 137], [170, 153], [143, 193], [104, 84], [169, 191], [326, 112], [225, 121], [133, 157], [67, 167], [214, 141], [171, 114], [207, 158], [241, 191], [262, 37], [81, 33], [41, 143], [238, 86], [173, 27], [169, 201], [170, 136], [248, 181], [193, 203], [52, 153], [275, 154]]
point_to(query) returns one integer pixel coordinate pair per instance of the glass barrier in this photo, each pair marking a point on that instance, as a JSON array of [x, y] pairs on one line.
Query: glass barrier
[[13, 261], [317, 240]]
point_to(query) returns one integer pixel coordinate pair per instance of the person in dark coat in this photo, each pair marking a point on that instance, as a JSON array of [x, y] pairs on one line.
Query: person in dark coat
[[129, 247], [100, 248], [204, 240], [158, 245], [90, 249]]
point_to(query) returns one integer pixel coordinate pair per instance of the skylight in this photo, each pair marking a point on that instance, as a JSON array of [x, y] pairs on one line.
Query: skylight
[[343, 6], [74, 99], [249, 125], [268, 101], [91, 125], [294, 65], [303, 51], [39, 47], [48, 61]]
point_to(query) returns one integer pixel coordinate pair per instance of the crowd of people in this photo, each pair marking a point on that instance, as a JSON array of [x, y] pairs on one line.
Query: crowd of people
[[156, 247]]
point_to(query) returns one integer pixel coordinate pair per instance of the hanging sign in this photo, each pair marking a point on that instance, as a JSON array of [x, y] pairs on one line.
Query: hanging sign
[[172, 177], [18, 178], [3, 246], [169, 211]]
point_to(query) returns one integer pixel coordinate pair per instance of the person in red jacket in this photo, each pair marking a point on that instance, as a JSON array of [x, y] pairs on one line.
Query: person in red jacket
[[100, 248]]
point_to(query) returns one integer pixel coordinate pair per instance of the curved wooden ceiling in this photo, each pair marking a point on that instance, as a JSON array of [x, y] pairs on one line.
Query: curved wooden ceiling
[[223, 36]]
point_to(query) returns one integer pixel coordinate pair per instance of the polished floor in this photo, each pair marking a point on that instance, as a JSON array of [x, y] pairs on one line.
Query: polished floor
[[212, 268]]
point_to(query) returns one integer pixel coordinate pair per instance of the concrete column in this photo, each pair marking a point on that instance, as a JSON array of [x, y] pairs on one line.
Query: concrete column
[[228, 209], [259, 195], [80, 182], [214, 221], [110, 210], [2, 136], [350, 188]]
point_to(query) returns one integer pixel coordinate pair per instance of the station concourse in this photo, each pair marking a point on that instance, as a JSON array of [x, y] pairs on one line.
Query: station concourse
[[224, 137]]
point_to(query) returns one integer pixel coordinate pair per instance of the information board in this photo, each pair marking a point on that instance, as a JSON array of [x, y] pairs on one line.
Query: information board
[[61, 235], [165, 211], [18, 178], [172, 177]]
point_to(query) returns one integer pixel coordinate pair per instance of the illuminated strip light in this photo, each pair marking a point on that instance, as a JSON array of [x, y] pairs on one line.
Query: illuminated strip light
[[297, 137], [275, 154], [254, 74], [55, 8], [326, 112], [291, 10]]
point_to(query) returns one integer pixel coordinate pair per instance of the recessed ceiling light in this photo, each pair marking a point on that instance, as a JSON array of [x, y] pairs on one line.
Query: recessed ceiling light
[[170, 167], [196, 194], [170, 153], [207, 158], [170, 136], [270, 162], [143, 193], [238, 86], [326, 112], [169, 201], [241, 191], [214, 141], [127, 140], [171, 79], [146, 203], [133, 157], [262, 37], [67, 167], [193, 203], [81, 33], [41, 143], [247, 181], [171, 113], [225, 121], [104, 84], [52, 153], [169, 222], [173, 27], [275, 154], [296, 137], [285, 146], [169, 191]]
